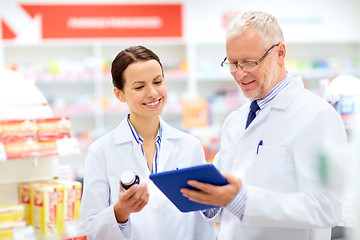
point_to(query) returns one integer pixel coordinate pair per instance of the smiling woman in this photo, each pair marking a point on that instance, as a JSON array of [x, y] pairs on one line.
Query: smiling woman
[[142, 143], [144, 91]]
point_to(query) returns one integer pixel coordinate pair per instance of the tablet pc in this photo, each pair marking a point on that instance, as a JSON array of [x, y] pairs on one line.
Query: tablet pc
[[170, 183]]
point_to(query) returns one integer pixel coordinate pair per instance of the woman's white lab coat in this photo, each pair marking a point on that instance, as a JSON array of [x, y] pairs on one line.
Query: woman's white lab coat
[[286, 198], [116, 152]]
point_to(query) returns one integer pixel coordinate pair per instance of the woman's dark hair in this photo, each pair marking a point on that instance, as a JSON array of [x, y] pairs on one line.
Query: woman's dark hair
[[127, 57]]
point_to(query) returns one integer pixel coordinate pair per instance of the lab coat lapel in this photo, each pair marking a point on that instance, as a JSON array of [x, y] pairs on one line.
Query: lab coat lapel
[[165, 152], [244, 111], [262, 115], [124, 135], [169, 136]]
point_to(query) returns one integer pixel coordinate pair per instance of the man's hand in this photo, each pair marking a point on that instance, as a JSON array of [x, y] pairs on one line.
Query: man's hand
[[211, 194], [132, 200]]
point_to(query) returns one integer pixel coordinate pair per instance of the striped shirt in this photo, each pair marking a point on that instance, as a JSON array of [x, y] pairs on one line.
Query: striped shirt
[[237, 205], [140, 141], [272, 94]]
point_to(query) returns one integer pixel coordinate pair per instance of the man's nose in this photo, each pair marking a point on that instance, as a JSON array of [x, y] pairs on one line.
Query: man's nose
[[240, 73]]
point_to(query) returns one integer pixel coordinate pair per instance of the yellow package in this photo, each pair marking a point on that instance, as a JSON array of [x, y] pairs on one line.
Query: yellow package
[[11, 213], [48, 209], [6, 229], [72, 199], [24, 199]]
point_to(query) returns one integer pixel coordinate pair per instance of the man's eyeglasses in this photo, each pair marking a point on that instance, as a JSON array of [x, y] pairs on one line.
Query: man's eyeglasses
[[245, 66]]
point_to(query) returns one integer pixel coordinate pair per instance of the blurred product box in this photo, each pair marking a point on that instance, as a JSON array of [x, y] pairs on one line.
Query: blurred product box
[[25, 200], [53, 128], [46, 148], [11, 216], [195, 113], [34, 138], [11, 212], [49, 204], [13, 130], [6, 229], [47, 208], [76, 238], [72, 199], [20, 147]]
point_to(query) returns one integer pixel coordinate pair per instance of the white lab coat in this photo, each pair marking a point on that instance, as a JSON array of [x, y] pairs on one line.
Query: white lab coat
[[285, 196], [116, 152]]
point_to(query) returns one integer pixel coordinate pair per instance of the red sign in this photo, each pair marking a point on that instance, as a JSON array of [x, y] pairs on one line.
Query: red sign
[[102, 21]]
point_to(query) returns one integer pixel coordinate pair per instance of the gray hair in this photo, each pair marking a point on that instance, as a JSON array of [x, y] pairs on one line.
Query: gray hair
[[264, 23]]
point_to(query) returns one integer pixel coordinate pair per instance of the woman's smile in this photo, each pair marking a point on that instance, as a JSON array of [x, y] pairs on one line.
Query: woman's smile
[[154, 104]]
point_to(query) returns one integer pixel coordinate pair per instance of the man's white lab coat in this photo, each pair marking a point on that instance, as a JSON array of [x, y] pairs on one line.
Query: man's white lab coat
[[286, 199]]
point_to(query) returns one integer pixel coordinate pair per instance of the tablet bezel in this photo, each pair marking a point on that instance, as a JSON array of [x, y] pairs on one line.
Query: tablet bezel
[[170, 183]]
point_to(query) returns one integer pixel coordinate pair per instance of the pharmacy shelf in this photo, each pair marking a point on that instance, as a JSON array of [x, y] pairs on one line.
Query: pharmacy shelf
[[17, 171], [75, 75], [28, 169]]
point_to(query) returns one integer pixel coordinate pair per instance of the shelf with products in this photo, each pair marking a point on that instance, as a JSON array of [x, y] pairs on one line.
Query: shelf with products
[[75, 76], [24, 170], [314, 61], [30, 148], [32, 142], [311, 60]]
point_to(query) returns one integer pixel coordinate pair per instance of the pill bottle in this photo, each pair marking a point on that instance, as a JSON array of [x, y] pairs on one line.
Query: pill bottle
[[129, 178]]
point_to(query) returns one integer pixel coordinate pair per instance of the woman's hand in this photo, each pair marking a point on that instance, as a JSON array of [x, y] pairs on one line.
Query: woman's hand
[[132, 200]]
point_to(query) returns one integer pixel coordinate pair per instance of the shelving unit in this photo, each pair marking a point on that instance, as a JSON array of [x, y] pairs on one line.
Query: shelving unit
[[75, 76], [323, 60], [22, 107], [13, 172], [76, 79], [26, 103]]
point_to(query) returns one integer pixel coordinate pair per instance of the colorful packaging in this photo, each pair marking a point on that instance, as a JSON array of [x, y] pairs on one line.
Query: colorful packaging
[[18, 137], [53, 128], [46, 147], [11, 212], [195, 113], [20, 147], [11, 216], [6, 229], [47, 208], [49, 130], [33, 138], [76, 238], [13, 130], [72, 199], [25, 200]]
